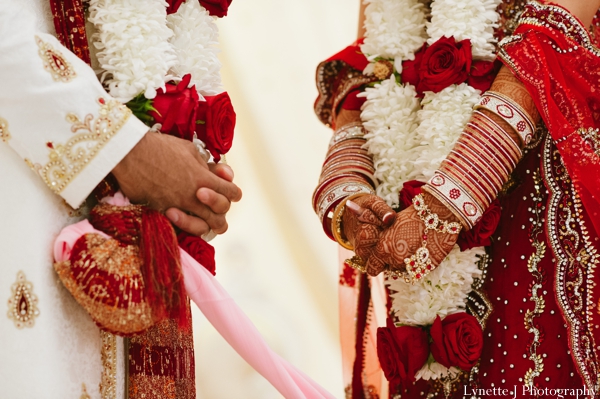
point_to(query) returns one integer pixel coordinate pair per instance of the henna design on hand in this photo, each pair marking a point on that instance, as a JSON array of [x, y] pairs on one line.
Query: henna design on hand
[[363, 220], [405, 236]]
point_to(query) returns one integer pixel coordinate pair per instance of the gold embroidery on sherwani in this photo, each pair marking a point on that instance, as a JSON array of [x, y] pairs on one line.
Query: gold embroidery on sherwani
[[108, 381], [4, 132], [54, 62], [91, 134], [22, 305], [84, 393]]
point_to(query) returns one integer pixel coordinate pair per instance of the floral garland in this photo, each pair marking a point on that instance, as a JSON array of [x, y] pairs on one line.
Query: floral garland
[[160, 57], [413, 118]]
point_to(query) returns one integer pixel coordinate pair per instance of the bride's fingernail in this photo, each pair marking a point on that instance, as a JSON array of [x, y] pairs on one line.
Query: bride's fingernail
[[388, 218], [354, 207]]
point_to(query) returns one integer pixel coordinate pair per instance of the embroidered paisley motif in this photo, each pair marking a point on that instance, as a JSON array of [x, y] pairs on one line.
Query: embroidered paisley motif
[[54, 62], [22, 305]]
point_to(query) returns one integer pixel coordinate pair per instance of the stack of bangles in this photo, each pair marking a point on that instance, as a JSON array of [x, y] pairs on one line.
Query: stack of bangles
[[348, 170], [482, 160]]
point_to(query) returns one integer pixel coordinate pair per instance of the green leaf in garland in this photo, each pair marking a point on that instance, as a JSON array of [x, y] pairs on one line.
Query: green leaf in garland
[[141, 107]]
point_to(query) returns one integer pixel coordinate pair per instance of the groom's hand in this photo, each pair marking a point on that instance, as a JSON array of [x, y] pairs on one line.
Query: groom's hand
[[168, 174]]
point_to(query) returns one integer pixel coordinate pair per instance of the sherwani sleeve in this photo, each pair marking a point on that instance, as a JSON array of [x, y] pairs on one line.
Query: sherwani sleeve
[[54, 112]]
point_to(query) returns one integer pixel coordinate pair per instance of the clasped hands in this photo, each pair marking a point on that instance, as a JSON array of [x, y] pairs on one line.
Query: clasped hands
[[383, 238], [168, 174]]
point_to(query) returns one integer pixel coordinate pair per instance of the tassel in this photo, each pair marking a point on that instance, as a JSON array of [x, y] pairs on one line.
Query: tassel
[[161, 268]]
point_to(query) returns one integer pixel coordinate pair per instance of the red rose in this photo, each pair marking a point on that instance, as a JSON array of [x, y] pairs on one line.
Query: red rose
[[456, 341], [200, 250], [217, 124], [402, 351], [444, 63], [174, 6], [480, 235], [410, 69], [409, 190], [482, 74], [176, 109], [216, 8]]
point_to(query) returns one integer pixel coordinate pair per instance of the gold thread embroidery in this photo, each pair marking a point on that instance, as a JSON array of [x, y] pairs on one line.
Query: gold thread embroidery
[[108, 380], [590, 137], [576, 260], [4, 132], [84, 393], [54, 62], [67, 160], [536, 287], [22, 305]]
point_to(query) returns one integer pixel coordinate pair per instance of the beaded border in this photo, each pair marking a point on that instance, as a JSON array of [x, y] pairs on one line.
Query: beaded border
[[4, 132], [67, 160]]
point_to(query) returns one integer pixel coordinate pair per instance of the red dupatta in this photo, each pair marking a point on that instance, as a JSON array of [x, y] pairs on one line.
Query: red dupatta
[[559, 64]]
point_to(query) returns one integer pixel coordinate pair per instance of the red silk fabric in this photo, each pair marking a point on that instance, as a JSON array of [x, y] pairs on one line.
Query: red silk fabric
[[559, 64], [69, 22]]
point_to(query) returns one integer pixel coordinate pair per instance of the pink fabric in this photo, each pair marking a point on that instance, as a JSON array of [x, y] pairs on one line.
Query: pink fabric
[[227, 318]]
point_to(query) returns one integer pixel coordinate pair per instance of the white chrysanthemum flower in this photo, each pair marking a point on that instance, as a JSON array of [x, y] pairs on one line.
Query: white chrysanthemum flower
[[389, 115], [435, 371], [441, 121], [133, 42], [466, 19], [440, 293], [195, 41], [395, 28]]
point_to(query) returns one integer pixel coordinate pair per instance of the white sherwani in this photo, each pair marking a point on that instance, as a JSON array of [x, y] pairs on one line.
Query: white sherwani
[[62, 133]]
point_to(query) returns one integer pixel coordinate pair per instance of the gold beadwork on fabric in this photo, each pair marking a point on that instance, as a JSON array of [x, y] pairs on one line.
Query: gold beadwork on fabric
[[108, 354], [536, 295], [591, 137], [84, 393], [91, 134], [576, 262], [4, 132], [54, 62], [22, 305]]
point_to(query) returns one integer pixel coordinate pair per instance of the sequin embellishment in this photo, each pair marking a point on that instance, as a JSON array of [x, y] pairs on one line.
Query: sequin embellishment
[[4, 133], [22, 305], [90, 135], [108, 381], [54, 62]]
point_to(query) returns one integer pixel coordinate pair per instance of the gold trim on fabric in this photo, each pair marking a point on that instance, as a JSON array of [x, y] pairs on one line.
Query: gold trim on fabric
[[22, 305], [84, 392], [54, 62], [591, 137], [536, 288], [108, 354], [4, 132], [576, 261], [91, 134]]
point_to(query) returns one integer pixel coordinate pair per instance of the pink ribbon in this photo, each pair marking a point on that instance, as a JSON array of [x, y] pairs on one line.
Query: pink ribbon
[[225, 316]]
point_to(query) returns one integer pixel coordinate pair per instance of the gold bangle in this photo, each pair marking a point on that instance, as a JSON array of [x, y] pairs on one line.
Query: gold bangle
[[357, 263], [336, 221]]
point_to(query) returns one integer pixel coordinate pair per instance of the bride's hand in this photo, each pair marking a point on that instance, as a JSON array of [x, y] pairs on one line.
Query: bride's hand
[[405, 236], [363, 220]]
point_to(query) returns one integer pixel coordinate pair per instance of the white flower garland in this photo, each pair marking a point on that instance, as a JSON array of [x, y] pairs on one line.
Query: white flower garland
[[409, 142], [390, 117], [466, 19], [141, 48], [132, 37], [396, 29], [195, 41]]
